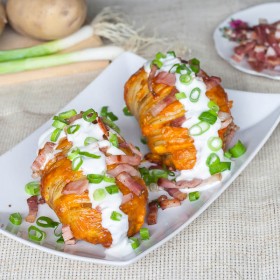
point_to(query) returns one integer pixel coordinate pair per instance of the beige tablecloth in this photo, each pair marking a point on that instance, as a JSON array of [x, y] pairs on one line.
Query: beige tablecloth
[[238, 237]]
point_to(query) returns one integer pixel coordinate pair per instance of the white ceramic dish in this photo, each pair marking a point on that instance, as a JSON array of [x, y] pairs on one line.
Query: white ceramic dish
[[256, 114], [224, 47]]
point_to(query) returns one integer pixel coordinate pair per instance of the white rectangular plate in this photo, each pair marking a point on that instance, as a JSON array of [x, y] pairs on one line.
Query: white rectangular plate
[[256, 114]]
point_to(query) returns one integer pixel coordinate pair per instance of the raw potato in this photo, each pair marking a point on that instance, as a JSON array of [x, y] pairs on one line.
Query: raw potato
[[46, 19], [3, 19]]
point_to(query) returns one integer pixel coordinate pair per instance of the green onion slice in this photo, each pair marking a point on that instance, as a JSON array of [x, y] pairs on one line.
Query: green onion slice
[[213, 106], [143, 140], [90, 140], [113, 139], [185, 79], [212, 159], [73, 128], [193, 196], [135, 243], [199, 128], [32, 188], [183, 69], [126, 112], [238, 149], [180, 95], [173, 69], [207, 117], [109, 179], [116, 216], [58, 118], [15, 219], [215, 143], [194, 65], [111, 124], [60, 240], [157, 62], [68, 114], [172, 53], [77, 163], [55, 134], [73, 153], [58, 124], [195, 94], [228, 155], [46, 222], [104, 111], [99, 194], [95, 178], [160, 55], [112, 189], [144, 234], [90, 115], [219, 167], [36, 234], [90, 155]]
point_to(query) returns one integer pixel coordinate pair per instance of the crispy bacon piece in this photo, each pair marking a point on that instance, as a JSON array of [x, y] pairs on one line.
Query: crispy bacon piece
[[118, 159], [165, 78], [177, 194], [42, 157], [168, 203], [165, 183], [33, 209], [74, 118], [130, 183], [188, 184], [103, 126], [178, 122], [152, 214], [124, 167], [67, 235], [76, 187]]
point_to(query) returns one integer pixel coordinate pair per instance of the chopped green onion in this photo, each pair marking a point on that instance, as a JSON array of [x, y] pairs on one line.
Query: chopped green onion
[[143, 140], [180, 95], [174, 66], [95, 178], [193, 196], [104, 111], [195, 94], [112, 189], [160, 55], [73, 128], [183, 69], [126, 112], [15, 219], [36, 234], [158, 173], [58, 124], [90, 155], [90, 115], [228, 155], [32, 188], [238, 149], [109, 179], [54, 231], [215, 143], [135, 243], [99, 194], [60, 240], [185, 79], [194, 65], [55, 134], [157, 62], [218, 167], [116, 216], [111, 124], [212, 158], [144, 234], [57, 118], [213, 106], [68, 114], [207, 117], [199, 128], [172, 53], [90, 140], [113, 139], [46, 222], [73, 153], [77, 163]]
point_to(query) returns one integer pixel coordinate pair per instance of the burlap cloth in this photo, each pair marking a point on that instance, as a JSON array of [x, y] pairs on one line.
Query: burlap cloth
[[238, 237]]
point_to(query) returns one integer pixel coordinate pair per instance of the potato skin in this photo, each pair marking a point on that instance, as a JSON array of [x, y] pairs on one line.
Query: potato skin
[[46, 19]]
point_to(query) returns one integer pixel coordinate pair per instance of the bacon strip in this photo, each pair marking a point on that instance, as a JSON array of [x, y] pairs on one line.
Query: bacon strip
[[33, 209], [178, 122], [67, 235], [166, 78], [124, 167], [117, 159], [168, 203], [74, 118], [76, 187], [130, 183], [42, 157], [126, 198], [177, 194], [188, 184], [103, 126], [153, 212]]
